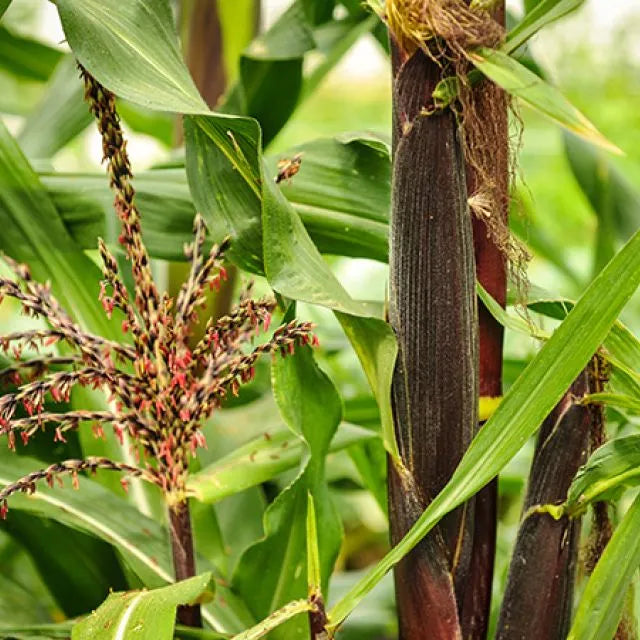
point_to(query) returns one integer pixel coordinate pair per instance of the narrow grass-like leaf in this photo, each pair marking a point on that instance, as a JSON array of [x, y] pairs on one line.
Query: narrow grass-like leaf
[[620, 343], [540, 16], [611, 467], [603, 599], [617, 400], [523, 408], [261, 460], [147, 615], [276, 619], [4, 5], [375, 345], [314, 580], [26, 57], [273, 571], [508, 321], [60, 115], [515, 78]]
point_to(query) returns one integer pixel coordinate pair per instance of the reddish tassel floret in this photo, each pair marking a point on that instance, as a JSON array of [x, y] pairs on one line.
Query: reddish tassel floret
[[160, 383]]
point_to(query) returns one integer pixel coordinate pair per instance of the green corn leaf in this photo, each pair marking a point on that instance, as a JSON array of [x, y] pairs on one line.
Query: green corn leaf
[[60, 115], [77, 569], [224, 176], [25, 57], [141, 541], [23, 599], [620, 343], [148, 615], [333, 39], [375, 345], [275, 620], [617, 400], [272, 572], [238, 23], [293, 264], [603, 599], [4, 5], [261, 460], [614, 200], [34, 233], [612, 467], [29, 631], [341, 195], [271, 71], [515, 78], [624, 380], [523, 408], [63, 630], [314, 572], [277, 68], [540, 16], [132, 48], [599, 179], [515, 323]]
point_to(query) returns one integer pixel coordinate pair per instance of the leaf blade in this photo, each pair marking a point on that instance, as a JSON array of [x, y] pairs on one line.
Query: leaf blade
[[149, 615], [523, 408], [603, 599], [516, 79]]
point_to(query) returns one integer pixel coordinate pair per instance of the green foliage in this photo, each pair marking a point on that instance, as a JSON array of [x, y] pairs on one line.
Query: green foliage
[[140, 541], [517, 80], [262, 459], [148, 615], [610, 469], [274, 570], [271, 512], [538, 17], [604, 597], [529, 400], [27, 58]]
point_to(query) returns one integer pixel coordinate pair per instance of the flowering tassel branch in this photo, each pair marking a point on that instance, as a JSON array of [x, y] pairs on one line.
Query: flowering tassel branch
[[159, 389], [27, 484]]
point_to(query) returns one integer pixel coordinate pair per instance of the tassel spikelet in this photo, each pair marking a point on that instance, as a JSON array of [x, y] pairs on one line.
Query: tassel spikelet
[[160, 390]]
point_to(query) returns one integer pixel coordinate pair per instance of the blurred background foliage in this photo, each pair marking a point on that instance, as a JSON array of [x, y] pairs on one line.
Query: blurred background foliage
[[560, 206]]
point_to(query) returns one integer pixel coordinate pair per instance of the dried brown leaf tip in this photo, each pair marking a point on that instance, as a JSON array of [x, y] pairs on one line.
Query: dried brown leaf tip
[[159, 389]]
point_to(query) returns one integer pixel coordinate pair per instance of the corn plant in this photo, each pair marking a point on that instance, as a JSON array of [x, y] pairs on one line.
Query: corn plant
[[234, 514]]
